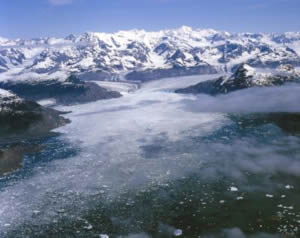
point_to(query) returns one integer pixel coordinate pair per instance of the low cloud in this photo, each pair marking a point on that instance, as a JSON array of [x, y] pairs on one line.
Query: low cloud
[[269, 99]]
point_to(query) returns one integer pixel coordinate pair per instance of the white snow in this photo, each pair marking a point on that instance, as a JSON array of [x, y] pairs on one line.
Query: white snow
[[47, 102], [93, 50], [250, 71], [5, 94]]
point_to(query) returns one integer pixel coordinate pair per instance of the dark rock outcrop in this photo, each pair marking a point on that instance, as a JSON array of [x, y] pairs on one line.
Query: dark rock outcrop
[[70, 91], [11, 156], [19, 117]]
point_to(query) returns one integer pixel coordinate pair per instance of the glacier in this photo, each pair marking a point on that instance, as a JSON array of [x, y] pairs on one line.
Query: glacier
[[182, 152]]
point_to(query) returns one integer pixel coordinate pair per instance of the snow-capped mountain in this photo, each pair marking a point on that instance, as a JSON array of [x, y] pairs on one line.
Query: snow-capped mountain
[[244, 77], [137, 53], [7, 98]]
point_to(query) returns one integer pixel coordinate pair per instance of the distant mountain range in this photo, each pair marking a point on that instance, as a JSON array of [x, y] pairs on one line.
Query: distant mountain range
[[141, 55]]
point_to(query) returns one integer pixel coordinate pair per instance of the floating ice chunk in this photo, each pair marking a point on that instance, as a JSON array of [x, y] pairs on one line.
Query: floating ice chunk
[[36, 212], [240, 198], [269, 195], [234, 189], [283, 196], [103, 236], [178, 232], [289, 187], [222, 201], [89, 227]]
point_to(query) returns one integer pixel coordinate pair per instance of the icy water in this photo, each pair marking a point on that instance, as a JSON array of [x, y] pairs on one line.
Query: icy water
[[158, 164]]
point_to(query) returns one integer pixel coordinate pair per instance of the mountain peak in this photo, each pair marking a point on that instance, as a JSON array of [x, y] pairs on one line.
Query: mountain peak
[[185, 28], [244, 71], [6, 94]]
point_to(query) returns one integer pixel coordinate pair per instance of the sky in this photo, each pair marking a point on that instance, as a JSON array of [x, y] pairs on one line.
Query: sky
[[40, 18]]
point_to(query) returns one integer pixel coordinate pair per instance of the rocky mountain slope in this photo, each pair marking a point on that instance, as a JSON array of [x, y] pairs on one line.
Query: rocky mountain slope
[[70, 91], [19, 116], [142, 55], [244, 77]]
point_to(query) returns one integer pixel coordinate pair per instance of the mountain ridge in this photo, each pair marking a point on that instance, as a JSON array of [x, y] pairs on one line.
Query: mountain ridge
[[245, 77], [106, 55]]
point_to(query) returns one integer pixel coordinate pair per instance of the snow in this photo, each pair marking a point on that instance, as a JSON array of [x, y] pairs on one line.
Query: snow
[[94, 50], [45, 64], [87, 62], [57, 41], [6, 97], [47, 102], [295, 46], [5, 94], [250, 71]]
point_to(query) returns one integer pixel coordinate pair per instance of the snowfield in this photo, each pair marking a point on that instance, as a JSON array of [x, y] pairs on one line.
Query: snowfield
[[110, 54]]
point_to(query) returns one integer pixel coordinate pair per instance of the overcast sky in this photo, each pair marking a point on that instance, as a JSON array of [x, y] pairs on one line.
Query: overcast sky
[[34, 18]]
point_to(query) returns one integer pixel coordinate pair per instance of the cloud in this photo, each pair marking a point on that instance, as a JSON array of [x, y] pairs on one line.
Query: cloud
[[60, 2], [268, 99]]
